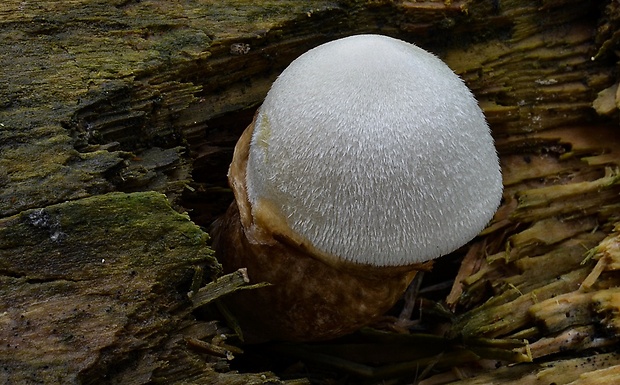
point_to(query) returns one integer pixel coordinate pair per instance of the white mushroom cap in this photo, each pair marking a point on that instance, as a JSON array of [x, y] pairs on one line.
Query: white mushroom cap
[[374, 151]]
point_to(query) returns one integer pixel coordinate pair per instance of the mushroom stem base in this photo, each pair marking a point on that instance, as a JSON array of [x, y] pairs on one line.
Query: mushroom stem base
[[309, 299]]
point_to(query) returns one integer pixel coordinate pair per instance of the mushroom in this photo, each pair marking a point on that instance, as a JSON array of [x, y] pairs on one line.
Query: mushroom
[[368, 158]]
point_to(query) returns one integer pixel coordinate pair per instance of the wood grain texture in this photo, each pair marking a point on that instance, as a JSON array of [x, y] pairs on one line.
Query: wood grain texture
[[100, 97]]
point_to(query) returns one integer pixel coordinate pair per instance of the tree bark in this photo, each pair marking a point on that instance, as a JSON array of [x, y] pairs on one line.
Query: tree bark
[[106, 106]]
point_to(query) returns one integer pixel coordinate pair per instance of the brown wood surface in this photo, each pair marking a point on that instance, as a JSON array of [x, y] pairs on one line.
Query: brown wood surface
[[104, 105]]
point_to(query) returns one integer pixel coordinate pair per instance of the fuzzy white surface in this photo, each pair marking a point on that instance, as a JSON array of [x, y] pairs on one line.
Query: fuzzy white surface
[[375, 151]]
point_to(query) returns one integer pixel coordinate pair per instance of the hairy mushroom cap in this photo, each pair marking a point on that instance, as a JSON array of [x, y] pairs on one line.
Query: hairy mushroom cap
[[374, 151]]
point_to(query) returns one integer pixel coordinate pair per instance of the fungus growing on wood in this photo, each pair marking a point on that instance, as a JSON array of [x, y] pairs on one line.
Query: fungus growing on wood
[[368, 158]]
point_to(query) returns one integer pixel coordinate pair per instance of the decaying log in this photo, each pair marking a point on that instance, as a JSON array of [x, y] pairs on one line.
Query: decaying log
[[106, 106]]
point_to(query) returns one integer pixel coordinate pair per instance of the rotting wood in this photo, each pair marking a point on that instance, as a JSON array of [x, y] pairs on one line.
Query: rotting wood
[[75, 283], [148, 95]]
